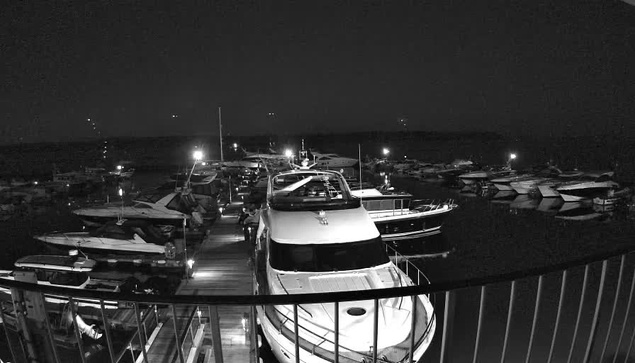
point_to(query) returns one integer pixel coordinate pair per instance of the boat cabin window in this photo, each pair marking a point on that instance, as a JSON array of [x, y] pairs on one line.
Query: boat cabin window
[[61, 277], [386, 204], [327, 257]]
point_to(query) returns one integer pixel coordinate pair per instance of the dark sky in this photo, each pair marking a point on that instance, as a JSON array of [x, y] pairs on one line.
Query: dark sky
[[508, 66]]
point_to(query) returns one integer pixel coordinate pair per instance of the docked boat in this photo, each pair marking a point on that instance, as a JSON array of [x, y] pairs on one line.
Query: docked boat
[[524, 183], [333, 161], [169, 209], [481, 176], [64, 271], [400, 216], [547, 188], [317, 238], [588, 186], [125, 237]]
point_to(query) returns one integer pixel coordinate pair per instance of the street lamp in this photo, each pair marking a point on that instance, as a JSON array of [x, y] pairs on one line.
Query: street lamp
[[197, 155], [288, 153], [385, 151], [512, 156]]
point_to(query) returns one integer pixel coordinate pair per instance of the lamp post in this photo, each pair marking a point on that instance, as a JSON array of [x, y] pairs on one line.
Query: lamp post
[[385, 151], [197, 155]]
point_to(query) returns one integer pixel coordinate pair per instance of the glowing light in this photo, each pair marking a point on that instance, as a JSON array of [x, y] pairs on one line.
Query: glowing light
[[512, 156], [190, 263], [120, 192], [198, 155], [119, 167], [35, 182], [288, 153], [235, 145], [386, 151]]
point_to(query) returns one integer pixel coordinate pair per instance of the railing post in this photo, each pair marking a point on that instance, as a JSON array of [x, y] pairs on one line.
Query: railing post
[[78, 334], [626, 314], [615, 299], [375, 329], [217, 343], [596, 314], [510, 310], [448, 326], [179, 344], [479, 326], [254, 332], [104, 321], [336, 321], [296, 333], [563, 287], [535, 320], [413, 327], [140, 325], [577, 321]]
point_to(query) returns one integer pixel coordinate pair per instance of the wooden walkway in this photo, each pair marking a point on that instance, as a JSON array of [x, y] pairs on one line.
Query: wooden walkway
[[221, 268]]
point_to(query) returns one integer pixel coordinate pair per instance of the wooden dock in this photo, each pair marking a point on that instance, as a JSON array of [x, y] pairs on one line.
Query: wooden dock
[[221, 267]]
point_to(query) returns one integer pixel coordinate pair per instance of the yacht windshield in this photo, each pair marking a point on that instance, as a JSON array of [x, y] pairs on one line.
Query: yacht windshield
[[327, 257], [310, 191]]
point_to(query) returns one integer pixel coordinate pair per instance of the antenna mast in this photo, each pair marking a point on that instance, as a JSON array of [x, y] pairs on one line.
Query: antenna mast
[[220, 134]]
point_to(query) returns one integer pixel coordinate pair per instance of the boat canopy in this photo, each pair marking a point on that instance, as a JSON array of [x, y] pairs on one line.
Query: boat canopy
[[56, 262]]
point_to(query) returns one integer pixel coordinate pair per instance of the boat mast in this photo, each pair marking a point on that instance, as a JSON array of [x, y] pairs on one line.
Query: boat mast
[[220, 134]]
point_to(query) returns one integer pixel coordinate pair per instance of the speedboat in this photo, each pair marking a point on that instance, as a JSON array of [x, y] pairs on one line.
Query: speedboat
[[399, 216], [480, 176], [124, 237], [547, 188], [169, 209], [64, 271], [524, 183], [317, 238], [587, 186], [333, 161]]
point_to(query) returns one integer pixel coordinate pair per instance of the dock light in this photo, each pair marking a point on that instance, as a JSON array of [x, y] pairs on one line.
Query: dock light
[[190, 263], [512, 156], [235, 146], [288, 153], [385, 151], [35, 182], [120, 192], [119, 167], [198, 155]]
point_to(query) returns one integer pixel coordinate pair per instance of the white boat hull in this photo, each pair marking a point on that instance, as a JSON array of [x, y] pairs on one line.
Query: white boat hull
[[547, 191], [503, 187]]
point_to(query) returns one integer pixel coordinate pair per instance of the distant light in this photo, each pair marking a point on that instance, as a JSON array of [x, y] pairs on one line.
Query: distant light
[[386, 151], [119, 167], [288, 153], [198, 155], [405, 157], [35, 182], [175, 116], [88, 120], [203, 163], [120, 192], [190, 263], [235, 145], [512, 156]]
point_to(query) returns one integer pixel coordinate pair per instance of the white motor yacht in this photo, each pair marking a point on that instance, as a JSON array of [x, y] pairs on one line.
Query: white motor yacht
[[64, 271], [333, 161], [125, 237], [589, 185], [400, 216], [317, 238], [169, 209], [547, 188]]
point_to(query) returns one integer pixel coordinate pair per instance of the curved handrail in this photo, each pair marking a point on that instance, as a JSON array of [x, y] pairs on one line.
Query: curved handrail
[[315, 298]]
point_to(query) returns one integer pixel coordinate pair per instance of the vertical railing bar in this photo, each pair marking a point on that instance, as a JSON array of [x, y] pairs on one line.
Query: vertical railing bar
[[179, 345], [78, 334], [413, 326], [510, 310], [47, 326], [563, 288], [481, 311], [628, 309], [214, 325], [139, 327], [577, 321], [296, 333], [630, 347], [254, 331], [336, 318], [104, 321], [535, 320], [6, 331], [596, 314], [375, 329], [446, 326], [615, 299]]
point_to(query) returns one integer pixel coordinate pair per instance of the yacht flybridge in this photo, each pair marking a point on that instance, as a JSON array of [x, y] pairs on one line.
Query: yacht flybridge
[[333, 160], [317, 238]]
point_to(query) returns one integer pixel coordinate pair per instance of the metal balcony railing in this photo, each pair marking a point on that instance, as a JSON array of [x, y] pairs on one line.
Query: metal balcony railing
[[578, 311]]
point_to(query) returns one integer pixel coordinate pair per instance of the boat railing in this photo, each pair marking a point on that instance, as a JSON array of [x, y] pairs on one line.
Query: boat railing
[[405, 265], [578, 310]]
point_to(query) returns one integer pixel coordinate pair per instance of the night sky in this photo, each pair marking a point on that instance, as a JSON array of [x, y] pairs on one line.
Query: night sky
[[520, 67]]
